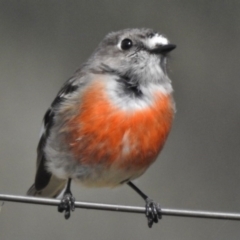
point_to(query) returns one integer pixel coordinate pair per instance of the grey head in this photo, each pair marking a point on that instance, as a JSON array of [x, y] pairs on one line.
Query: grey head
[[137, 55]]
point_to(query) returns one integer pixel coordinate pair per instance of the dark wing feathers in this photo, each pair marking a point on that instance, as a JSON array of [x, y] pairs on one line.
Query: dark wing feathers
[[43, 176], [68, 88]]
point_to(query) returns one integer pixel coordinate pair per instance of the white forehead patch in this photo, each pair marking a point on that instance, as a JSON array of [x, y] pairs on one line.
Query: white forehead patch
[[156, 40]]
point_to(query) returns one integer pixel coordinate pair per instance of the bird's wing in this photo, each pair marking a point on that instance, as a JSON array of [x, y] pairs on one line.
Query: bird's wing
[[45, 183]]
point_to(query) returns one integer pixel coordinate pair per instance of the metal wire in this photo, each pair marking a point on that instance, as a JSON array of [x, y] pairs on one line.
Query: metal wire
[[122, 208]]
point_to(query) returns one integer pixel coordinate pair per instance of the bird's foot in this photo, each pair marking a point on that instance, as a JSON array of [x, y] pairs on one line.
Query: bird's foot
[[67, 204], [153, 212]]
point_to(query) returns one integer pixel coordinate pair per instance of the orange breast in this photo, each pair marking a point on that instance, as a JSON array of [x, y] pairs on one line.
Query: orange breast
[[103, 134]]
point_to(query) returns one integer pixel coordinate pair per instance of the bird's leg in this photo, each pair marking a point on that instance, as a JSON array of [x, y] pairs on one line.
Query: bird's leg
[[153, 210], [67, 201]]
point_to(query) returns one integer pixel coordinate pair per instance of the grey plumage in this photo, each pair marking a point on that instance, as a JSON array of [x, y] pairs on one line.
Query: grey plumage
[[131, 77]]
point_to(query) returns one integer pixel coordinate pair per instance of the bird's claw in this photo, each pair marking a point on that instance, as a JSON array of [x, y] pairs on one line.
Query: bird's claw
[[67, 204], [153, 212]]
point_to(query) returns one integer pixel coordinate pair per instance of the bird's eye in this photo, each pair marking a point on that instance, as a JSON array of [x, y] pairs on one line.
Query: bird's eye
[[126, 44], [151, 35]]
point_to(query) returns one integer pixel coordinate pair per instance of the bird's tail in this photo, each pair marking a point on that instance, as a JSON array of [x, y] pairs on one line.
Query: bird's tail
[[52, 190]]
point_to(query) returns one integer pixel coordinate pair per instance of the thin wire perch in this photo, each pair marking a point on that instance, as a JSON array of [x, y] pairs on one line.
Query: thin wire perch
[[122, 208]]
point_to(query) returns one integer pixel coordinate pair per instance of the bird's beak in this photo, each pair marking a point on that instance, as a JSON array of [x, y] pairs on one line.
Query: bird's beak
[[163, 49]]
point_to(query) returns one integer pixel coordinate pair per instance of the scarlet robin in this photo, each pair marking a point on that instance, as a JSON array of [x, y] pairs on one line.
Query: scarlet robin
[[109, 121]]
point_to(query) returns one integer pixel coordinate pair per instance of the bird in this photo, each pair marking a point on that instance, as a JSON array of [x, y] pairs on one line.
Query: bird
[[109, 121]]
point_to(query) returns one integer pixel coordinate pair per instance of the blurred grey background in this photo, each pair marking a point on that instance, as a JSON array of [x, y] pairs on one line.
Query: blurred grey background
[[43, 42]]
